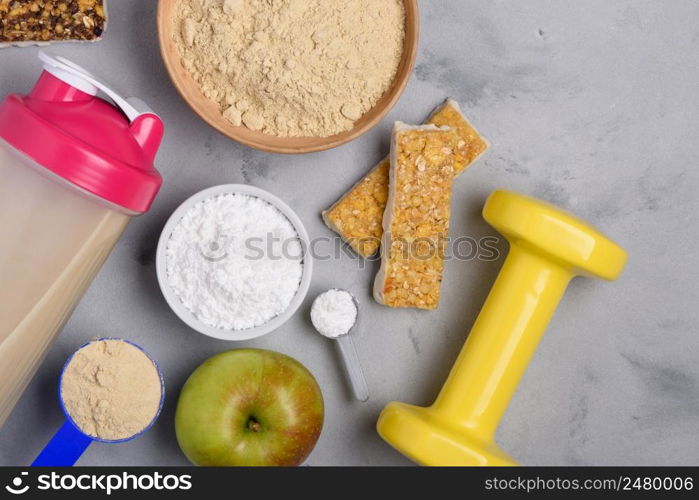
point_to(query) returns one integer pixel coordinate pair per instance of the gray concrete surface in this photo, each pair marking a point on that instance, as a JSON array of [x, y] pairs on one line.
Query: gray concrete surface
[[591, 105]]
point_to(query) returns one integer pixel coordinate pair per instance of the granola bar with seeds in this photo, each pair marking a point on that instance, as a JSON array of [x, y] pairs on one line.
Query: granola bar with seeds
[[38, 22], [416, 220], [357, 216]]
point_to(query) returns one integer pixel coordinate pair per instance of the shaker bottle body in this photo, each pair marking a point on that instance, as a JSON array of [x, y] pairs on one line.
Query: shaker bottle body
[[55, 238], [74, 169]]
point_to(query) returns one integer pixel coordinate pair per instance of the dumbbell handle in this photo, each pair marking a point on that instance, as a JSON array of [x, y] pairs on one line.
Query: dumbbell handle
[[503, 340]]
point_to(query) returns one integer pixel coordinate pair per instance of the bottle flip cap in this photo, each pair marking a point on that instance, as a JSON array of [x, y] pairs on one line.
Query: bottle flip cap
[[104, 149]]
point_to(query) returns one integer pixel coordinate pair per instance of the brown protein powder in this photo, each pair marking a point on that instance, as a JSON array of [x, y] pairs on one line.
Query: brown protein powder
[[291, 68], [111, 389]]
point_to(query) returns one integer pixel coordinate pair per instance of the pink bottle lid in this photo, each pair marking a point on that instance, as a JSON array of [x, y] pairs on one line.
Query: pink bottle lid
[[102, 148]]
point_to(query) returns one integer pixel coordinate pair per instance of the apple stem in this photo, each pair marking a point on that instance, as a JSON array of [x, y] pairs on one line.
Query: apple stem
[[254, 425]]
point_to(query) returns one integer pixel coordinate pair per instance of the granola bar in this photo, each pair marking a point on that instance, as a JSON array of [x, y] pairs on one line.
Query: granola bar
[[31, 22], [416, 221], [357, 216]]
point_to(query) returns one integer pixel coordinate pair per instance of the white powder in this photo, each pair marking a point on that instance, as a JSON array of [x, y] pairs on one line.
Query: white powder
[[334, 313], [235, 261]]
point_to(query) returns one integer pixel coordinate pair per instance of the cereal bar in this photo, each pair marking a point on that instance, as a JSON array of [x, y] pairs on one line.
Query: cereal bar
[[357, 216], [31, 22], [416, 221]]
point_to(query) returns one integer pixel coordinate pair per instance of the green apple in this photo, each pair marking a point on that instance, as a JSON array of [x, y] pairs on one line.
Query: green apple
[[249, 407]]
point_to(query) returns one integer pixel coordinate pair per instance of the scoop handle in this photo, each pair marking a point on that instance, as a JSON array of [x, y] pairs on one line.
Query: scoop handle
[[353, 368], [64, 449]]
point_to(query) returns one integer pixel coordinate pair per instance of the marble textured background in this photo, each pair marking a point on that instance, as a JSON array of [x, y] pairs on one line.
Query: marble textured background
[[591, 105]]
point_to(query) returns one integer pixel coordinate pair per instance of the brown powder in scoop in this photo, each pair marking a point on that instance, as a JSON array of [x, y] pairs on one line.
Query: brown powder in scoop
[[111, 389]]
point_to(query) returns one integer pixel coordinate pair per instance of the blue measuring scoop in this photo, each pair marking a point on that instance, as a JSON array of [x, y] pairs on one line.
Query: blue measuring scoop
[[69, 442]]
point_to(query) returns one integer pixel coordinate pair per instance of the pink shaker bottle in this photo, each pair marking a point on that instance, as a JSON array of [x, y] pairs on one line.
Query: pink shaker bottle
[[74, 169]]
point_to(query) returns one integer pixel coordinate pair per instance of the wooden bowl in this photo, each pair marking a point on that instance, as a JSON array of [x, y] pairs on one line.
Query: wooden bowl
[[209, 110]]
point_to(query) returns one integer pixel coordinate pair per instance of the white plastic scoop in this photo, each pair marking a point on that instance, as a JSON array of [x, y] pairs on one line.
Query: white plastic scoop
[[334, 313]]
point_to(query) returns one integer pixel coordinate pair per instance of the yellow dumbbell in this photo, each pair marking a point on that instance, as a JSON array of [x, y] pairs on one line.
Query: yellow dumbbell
[[548, 247]]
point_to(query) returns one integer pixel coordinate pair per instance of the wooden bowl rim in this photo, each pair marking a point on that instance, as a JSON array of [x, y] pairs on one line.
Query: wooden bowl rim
[[290, 145]]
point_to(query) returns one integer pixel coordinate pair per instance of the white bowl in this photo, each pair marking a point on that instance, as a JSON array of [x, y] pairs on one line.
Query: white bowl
[[185, 314]]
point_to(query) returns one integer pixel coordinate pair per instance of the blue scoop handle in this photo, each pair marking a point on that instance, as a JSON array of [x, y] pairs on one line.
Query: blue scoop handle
[[64, 449]]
